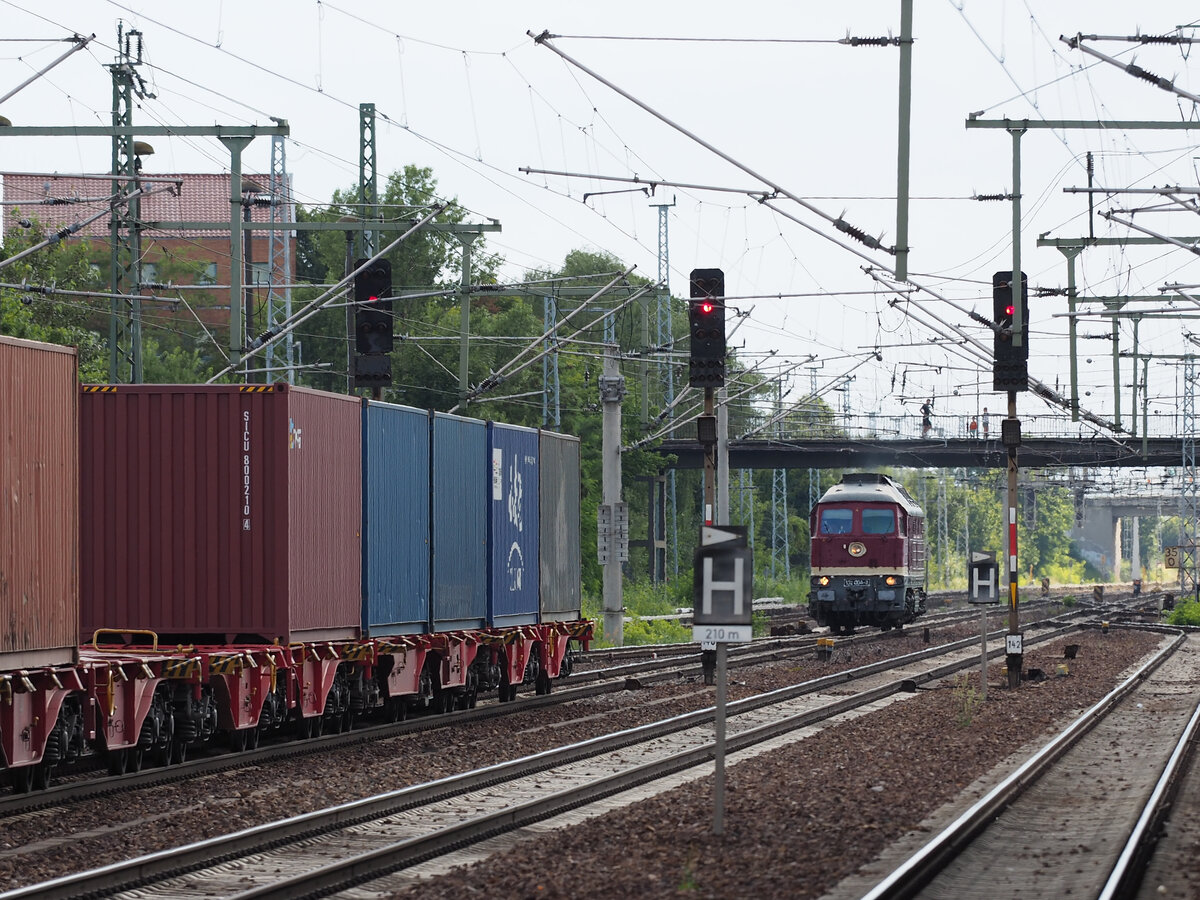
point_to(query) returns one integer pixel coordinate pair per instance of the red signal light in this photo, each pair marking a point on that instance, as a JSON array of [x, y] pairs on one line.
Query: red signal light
[[706, 307], [1008, 310]]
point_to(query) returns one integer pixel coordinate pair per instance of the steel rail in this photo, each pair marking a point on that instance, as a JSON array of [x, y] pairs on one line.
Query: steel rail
[[1130, 866], [580, 685], [344, 874], [158, 866], [911, 876]]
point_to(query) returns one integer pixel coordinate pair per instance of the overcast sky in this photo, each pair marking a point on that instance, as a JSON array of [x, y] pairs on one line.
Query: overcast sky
[[460, 87]]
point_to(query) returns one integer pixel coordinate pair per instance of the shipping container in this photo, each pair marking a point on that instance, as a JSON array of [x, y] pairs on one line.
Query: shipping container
[[39, 504], [459, 526], [396, 534], [513, 565], [221, 513], [558, 500]]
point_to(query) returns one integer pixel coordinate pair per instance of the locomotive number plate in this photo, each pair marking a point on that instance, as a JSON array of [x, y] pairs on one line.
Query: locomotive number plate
[[857, 582]]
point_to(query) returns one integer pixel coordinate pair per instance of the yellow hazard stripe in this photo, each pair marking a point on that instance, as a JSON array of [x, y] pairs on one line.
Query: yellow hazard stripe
[[181, 668], [99, 388], [255, 388], [227, 665]]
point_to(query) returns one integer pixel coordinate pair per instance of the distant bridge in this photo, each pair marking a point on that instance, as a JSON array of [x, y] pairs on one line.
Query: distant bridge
[[863, 453]]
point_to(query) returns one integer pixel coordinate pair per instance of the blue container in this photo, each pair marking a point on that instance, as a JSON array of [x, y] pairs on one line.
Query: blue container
[[513, 574], [460, 500], [396, 532]]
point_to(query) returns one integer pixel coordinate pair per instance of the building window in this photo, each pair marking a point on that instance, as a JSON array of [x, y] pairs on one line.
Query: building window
[[149, 273], [208, 274], [260, 274]]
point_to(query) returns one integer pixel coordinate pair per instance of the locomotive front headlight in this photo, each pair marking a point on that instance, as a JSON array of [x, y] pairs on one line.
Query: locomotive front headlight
[[891, 580], [823, 581], [856, 549]]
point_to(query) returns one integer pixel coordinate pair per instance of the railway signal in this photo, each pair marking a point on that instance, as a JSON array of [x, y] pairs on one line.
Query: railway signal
[[1010, 371], [706, 326], [373, 324]]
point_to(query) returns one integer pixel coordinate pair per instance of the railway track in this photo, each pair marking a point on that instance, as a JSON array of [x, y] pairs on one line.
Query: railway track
[[664, 664], [321, 853], [1081, 816]]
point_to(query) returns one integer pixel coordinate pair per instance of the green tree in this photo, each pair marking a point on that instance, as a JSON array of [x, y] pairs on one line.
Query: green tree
[[51, 317], [426, 272]]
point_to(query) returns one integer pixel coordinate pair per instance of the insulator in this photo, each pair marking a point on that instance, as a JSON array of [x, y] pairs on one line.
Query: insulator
[[858, 234], [1139, 72], [870, 41], [982, 320]]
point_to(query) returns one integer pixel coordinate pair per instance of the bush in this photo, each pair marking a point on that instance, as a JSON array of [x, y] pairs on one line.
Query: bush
[[1066, 573], [659, 631], [794, 590], [1186, 613], [644, 599]]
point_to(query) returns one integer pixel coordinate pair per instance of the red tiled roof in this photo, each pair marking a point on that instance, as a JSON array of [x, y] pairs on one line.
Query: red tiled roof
[[201, 198]]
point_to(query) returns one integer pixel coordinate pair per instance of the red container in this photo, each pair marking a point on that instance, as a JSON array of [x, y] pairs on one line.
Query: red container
[[39, 505], [217, 513]]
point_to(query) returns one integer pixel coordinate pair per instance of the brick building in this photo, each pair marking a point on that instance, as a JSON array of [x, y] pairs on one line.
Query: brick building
[[198, 258]]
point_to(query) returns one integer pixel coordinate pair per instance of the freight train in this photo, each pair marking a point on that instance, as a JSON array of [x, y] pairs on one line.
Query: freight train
[[185, 564], [868, 555]]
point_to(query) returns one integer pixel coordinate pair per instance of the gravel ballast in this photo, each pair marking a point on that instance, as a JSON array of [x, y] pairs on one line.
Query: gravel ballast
[[797, 820], [800, 819]]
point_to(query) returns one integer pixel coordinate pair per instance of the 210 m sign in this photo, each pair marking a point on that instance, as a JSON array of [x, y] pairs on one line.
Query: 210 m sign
[[728, 634]]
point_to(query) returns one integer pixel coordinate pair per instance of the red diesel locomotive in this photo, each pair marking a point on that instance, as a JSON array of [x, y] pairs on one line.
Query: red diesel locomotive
[[868, 555]]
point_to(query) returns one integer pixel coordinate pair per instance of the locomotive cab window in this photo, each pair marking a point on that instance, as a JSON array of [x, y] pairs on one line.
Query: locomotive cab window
[[878, 521], [836, 521]]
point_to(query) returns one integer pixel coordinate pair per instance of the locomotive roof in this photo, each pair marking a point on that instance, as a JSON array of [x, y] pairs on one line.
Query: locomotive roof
[[871, 488]]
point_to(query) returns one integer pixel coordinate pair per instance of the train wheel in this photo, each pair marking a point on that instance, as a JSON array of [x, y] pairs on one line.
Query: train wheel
[[543, 685], [116, 762], [43, 774], [178, 752], [512, 693], [21, 779], [135, 758], [396, 709], [237, 740]]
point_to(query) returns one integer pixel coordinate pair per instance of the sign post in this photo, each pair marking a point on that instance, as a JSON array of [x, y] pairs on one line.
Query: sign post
[[983, 575], [722, 603]]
